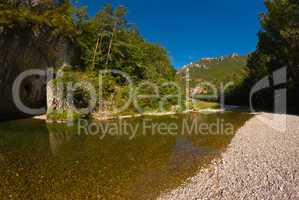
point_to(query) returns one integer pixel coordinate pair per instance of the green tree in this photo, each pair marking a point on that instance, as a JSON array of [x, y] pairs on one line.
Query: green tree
[[278, 46]]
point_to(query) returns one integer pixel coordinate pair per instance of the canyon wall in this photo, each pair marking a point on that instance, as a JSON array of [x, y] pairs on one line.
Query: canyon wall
[[22, 51]]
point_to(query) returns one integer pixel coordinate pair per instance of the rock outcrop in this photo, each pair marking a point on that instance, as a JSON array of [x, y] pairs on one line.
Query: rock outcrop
[[21, 51]]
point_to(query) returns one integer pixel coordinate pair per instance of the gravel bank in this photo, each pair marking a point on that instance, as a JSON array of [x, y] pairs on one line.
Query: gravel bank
[[260, 163]]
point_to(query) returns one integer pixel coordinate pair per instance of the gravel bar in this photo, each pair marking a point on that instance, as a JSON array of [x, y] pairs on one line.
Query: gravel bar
[[260, 163]]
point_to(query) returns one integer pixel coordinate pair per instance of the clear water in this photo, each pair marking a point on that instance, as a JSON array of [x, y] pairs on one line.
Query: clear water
[[53, 162]]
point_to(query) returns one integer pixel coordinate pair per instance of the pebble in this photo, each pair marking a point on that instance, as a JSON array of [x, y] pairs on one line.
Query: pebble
[[260, 163]]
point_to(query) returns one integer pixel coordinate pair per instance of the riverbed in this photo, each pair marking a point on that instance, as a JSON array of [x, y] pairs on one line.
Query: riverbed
[[54, 161]]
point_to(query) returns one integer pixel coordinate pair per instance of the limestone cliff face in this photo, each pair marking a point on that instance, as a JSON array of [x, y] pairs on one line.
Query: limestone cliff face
[[21, 51]]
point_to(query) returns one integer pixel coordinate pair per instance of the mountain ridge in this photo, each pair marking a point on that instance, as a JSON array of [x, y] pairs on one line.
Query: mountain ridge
[[206, 62], [216, 70]]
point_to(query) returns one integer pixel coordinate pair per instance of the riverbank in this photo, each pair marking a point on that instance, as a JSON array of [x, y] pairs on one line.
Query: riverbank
[[101, 118], [98, 117], [260, 163]]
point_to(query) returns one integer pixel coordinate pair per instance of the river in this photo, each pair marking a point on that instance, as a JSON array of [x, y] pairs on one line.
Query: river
[[121, 159]]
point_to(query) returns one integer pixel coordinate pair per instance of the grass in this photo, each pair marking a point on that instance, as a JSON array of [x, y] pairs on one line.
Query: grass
[[205, 105], [62, 116]]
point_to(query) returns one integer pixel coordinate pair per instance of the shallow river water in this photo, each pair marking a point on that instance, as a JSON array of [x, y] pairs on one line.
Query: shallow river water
[[121, 159]]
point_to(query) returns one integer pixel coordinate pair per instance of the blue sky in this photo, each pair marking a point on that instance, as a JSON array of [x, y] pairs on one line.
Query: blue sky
[[192, 29]]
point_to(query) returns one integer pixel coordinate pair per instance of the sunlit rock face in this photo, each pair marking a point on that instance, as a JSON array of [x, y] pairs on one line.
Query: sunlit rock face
[[22, 51]]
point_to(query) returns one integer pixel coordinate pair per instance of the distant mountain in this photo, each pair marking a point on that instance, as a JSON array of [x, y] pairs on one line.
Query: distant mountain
[[216, 70]]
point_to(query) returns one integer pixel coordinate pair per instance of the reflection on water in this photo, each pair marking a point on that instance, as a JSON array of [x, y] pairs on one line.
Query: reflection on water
[[39, 161]]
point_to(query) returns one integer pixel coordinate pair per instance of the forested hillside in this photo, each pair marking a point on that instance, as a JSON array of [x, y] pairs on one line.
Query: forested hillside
[[103, 41], [106, 40], [216, 70]]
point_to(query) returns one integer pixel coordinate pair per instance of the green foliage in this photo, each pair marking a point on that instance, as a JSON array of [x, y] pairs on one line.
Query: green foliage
[[218, 71], [105, 41], [279, 39], [39, 18], [278, 47], [63, 116], [109, 42], [201, 105]]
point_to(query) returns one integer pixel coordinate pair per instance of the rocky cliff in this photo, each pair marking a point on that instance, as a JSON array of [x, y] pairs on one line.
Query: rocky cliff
[[24, 50]]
